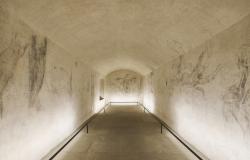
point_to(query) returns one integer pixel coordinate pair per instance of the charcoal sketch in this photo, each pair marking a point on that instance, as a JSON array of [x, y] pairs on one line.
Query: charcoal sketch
[[76, 64], [151, 82], [61, 81], [194, 75], [236, 98], [125, 83], [92, 84], [176, 46], [37, 65], [71, 83], [8, 61]]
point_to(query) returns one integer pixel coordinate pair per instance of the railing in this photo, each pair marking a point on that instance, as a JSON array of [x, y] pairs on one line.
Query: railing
[[162, 123], [170, 130], [85, 124]]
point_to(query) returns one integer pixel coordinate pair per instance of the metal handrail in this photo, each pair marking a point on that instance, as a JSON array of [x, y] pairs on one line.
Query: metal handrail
[[166, 126], [163, 124], [78, 130]]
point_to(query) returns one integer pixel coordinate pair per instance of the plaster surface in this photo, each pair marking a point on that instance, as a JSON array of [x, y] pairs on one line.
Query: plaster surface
[[45, 93], [133, 34], [195, 55], [204, 95]]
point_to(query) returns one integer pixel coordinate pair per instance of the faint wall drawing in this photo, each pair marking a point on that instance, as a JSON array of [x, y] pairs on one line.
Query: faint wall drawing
[[178, 67], [176, 46], [236, 98], [92, 91], [37, 65], [71, 83], [196, 75], [125, 84], [76, 64], [8, 61], [61, 81], [87, 86], [151, 82]]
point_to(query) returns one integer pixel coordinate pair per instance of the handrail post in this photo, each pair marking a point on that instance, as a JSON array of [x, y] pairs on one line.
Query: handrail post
[[76, 132], [172, 133]]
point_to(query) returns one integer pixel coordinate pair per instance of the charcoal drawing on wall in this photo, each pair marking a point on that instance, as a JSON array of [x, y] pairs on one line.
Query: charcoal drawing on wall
[[194, 75], [125, 83], [236, 98], [8, 61], [37, 66], [62, 77], [71, 83], [151, 82]]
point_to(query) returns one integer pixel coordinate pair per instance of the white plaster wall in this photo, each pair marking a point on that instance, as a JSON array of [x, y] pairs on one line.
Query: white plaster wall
[[123, 86], [43, 97], [204, 94]]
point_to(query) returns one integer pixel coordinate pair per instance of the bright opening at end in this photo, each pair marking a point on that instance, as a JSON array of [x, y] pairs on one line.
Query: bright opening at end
[[124, 103]]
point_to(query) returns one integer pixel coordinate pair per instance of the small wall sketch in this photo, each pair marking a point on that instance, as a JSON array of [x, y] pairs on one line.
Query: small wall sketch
[[151, 82], [37, 66], [8, 60], [176, 46], [124, 84], [236, 98], [194, 75], [71, 83], [63, 79]]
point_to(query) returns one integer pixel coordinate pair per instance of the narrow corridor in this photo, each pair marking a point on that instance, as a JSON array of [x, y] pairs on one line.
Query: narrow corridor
[[122, 133], [187, 62]]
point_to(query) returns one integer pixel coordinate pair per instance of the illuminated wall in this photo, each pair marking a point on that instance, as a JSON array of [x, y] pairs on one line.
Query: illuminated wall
[[123, 86], [44, 92], [204, 94]]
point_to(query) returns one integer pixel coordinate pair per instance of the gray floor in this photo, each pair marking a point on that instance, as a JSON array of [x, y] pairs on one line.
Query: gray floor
[[122, 133]]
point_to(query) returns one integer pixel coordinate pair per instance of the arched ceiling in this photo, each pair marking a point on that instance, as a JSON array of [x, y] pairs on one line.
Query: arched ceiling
[[133, 34]]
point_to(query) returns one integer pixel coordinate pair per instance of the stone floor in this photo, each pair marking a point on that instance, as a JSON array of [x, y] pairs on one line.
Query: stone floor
[[123, 133]]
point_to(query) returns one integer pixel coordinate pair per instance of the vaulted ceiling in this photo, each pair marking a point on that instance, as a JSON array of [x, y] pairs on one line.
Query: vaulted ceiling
[[133, 34]]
